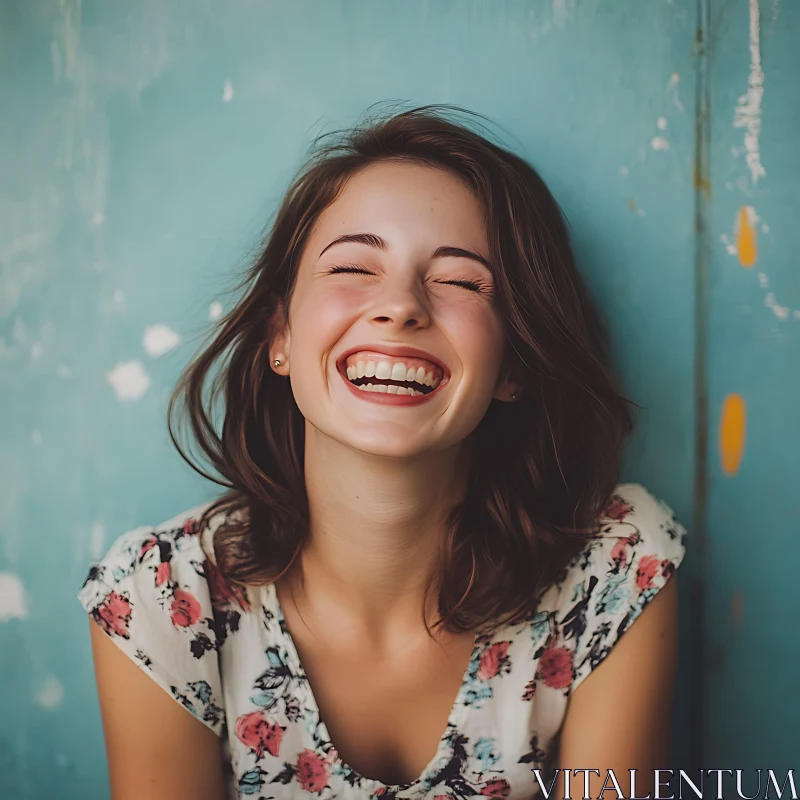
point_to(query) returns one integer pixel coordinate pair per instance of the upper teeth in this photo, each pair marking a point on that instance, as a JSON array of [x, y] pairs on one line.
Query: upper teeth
[[394, 370]]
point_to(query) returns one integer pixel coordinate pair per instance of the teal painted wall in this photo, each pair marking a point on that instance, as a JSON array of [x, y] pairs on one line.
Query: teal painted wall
[[142, 150]]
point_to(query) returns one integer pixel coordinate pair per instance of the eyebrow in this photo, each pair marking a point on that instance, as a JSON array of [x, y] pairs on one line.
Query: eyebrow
[[373, 240]]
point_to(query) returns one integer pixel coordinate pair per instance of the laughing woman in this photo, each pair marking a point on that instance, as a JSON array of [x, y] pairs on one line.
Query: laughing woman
[[424, 579]]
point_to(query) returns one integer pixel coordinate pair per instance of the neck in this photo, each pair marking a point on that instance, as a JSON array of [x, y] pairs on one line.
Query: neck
[[375, 527]]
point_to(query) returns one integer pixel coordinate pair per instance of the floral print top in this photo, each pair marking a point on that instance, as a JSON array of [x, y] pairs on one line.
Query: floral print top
[[225, 654]]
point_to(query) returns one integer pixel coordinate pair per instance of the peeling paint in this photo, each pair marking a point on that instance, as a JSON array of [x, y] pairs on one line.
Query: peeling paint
[[50, 693], [128, 380], [659, 143], [748, 111], [227, 92], [215, 311], [160, 339], [672, 88], [12, 598]]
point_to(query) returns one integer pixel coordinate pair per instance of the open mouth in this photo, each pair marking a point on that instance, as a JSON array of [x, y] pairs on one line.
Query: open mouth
[[372, 371]]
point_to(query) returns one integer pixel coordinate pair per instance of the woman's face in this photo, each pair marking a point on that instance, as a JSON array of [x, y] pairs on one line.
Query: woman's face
[[397, 312]]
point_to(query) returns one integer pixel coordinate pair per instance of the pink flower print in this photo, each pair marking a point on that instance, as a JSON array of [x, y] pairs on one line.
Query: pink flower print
[[619, 552], [555, 667], [222, 590], [162, 573], [312, 771], [493, 660], [185, 610], [190, 527], [616, 508], [648, 569], [148, 545], [498, 787], [255, 731], [114, 615]]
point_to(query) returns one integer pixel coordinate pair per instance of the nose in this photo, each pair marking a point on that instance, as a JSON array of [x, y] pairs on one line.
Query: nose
[[401, 306]]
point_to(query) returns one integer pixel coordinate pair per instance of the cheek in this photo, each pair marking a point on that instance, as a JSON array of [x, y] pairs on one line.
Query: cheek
[[476, 333]]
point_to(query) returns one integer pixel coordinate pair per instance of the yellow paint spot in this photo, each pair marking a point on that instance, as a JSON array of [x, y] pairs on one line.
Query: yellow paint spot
[[746, 239], [732, 433]]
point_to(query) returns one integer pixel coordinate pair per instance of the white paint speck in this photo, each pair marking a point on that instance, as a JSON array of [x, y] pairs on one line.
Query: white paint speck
[[98, 218], [36, 351], [672, 88], [97, 540], [215, 311], [659, 143], [763, 280], [160, 339], [748, 111], [227, 92], [12, 597], [36, 437], [765, 228], [662, 123], [50, 693], [128, 380], [781, 312], [63, 371], [640, 212], [119, 298]]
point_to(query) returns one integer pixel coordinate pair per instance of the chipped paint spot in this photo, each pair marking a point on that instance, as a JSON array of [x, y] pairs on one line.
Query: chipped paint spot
[[672, 88], [128, 380], [781, 312], [63, 371], [119, 298], [97, 540], [51, 693], [12, 597], [737, 608], [36, 351], [98, 218], [215, 311], [227, 92], [36, 437], [732, 433], [746, 245], [662, 123], [748, 111], [159, 340], [659, 143]]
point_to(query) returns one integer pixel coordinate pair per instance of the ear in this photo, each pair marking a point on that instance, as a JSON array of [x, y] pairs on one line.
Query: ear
[[508, 383], [280, 339]]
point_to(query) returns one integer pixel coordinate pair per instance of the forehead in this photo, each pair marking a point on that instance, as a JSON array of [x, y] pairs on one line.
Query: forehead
[[402, 199]]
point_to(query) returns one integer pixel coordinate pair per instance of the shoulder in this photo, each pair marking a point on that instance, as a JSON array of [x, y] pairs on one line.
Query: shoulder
[[634, 527], [639, 546], [158, 595]]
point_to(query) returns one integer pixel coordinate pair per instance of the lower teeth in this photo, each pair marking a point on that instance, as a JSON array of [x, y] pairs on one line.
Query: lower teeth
[[391, 389]]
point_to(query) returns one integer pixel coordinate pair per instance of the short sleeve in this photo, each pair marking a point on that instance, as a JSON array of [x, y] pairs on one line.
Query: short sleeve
[[641, 546], [150, 594]]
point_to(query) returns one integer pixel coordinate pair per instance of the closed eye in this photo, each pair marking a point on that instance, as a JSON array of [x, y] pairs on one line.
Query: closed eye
[[475, 286], [348, 268]]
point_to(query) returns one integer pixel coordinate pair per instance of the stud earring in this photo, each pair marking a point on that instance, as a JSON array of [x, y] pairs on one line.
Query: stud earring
[[513, 395], [277, 362]]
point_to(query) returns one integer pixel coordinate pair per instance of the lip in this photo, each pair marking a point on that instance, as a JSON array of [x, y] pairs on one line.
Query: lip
[[395, 351]]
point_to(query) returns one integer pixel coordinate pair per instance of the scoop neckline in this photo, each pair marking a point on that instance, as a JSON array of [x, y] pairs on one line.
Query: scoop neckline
[[455, 718]]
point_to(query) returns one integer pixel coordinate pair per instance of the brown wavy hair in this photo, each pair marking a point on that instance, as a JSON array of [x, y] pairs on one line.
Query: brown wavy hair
[[543, 467]]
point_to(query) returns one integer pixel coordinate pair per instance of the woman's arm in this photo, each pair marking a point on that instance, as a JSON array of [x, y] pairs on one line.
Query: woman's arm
[[155, 748], [619, 716]]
